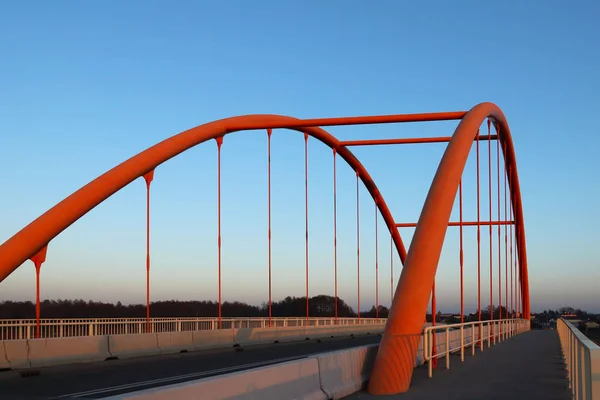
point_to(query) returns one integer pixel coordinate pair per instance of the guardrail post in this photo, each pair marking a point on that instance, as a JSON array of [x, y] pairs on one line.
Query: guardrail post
[[587, 366], [448, 348], [473, 339], [426, 351], [575, 369], [483, 336], [568, 358], [580, 377], [462, 343], [496, 332], [571, 341]]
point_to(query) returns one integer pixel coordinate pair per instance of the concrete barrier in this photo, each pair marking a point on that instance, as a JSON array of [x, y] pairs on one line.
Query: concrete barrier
[[222, 338], [345, 372], [17, 353], [136, 345], [175, 342], [420, 360], [253, 336], [290, 380], [28, 353], [345, 330], [59, 351], [4, 364], [327, 376]]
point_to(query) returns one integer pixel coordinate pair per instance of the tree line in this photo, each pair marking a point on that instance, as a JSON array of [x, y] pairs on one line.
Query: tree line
[[319, 306]]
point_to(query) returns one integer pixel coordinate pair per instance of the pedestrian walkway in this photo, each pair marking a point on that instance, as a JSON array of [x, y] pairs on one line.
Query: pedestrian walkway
[[527, 366]]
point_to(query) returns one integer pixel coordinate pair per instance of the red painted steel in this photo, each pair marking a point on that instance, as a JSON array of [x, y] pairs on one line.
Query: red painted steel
[[378, 142], [219, 140], [458, 223], [461, 259], [478, 237], [269, 133], [148, 177], [391, 270], [395, 360], [490, 228], [25, 243], [518, 283], [358, 243], [433, 323], [292, 123], [335, 277], [393, 366], [512, 286], [38, 259], [376, 266], [499, 251], [508, 311], [306, 217]]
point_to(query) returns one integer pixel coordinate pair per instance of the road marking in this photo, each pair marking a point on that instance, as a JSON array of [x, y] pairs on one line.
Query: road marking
[[218, 371]]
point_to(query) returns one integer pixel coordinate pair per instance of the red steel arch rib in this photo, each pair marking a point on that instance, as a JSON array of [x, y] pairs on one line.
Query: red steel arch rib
[[396, 356], [35, 236], [397, 353]]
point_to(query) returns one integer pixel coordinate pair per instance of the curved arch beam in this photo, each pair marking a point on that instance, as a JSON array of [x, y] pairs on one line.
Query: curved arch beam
[[397, 353], [35, 236]]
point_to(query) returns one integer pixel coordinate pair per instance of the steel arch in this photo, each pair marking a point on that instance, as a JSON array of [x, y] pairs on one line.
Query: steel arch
[[26, 243], [395, 360], [397, 353]]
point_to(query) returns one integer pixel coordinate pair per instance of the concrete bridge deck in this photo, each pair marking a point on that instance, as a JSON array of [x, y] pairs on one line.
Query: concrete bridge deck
[[528, 366]]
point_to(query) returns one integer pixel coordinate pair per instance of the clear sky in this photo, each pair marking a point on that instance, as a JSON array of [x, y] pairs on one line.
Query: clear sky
[[85, 85]]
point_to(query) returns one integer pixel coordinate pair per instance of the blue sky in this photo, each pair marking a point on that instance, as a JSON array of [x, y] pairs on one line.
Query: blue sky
[[85, 85]]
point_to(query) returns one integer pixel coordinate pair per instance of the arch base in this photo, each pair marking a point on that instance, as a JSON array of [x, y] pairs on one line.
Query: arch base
[[394, 364]]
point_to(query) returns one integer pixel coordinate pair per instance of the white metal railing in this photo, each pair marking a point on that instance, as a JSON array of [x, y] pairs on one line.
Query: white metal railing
[[458, 337], [582, 357], [68, 327]]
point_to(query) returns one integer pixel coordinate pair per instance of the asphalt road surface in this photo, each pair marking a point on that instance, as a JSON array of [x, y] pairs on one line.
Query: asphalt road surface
[[109, 378]]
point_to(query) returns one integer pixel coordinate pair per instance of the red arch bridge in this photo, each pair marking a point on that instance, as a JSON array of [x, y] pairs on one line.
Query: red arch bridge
[[499, 260]]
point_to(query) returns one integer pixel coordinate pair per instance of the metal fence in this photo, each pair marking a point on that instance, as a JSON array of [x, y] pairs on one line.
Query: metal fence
[[11, 329], [582, 357], [459, 337]]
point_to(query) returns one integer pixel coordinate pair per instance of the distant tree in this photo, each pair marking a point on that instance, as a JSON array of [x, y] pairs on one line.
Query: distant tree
[[320, 306], [383, 312], [566, 310]]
